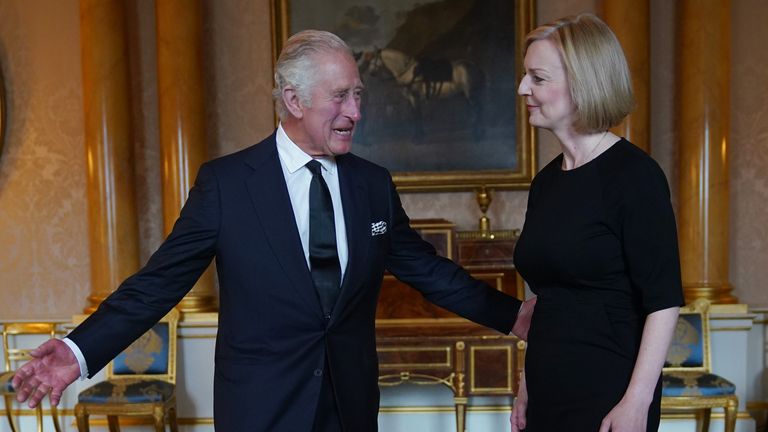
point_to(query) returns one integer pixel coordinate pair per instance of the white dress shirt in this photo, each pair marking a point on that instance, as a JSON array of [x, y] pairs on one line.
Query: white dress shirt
[[297, 178]]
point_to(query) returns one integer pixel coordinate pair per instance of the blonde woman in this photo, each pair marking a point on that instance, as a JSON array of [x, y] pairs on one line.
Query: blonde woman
[[599, 244]]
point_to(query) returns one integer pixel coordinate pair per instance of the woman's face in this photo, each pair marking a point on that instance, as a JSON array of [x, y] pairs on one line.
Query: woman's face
[[545, 87]]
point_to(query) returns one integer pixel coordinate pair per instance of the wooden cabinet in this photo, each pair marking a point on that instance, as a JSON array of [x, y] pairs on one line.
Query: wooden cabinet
[[420, 342]]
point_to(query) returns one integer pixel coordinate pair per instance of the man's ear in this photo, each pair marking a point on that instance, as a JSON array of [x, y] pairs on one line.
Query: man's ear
[[292, 102]]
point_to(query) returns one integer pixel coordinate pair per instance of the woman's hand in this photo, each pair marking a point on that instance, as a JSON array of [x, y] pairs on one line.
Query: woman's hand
[[631, 413], [517, 419], [627, 416]]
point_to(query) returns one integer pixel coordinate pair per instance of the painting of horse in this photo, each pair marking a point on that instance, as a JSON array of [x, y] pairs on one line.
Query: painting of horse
[[423, 80], [440, 107]]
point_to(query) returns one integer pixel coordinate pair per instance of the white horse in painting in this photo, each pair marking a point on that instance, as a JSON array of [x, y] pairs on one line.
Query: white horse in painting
[[421, 80]]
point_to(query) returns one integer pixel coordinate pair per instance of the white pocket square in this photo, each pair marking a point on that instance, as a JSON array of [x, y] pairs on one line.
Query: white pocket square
[[378, 228]]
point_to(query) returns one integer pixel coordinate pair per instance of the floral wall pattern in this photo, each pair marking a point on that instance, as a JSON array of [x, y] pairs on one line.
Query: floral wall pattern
[[43, 220]]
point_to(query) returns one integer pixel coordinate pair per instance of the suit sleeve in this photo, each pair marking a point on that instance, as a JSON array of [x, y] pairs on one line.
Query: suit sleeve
[[144, 298], [414, 261]]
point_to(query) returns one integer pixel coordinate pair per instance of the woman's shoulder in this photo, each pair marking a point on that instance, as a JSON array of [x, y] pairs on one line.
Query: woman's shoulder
[[629, 170], [629, 162]]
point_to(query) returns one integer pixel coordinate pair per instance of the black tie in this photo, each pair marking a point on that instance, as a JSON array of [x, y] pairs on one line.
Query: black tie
[[323, 256]]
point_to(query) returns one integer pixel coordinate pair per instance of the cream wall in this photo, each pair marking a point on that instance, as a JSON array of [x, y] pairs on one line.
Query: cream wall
[[43, 237]]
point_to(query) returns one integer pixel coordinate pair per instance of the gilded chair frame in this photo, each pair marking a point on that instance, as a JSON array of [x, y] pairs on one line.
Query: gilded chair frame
[[702, 405], [12, 354], [161, 412]]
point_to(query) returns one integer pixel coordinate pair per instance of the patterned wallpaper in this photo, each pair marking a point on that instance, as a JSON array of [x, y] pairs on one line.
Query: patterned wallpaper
[[749, 152], [43, 222], [239, 44]]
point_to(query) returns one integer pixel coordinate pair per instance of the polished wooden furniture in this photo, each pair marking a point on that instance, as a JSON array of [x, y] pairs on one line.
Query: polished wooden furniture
[[421, 343], [687, 379], [141, 381], [13, 354]]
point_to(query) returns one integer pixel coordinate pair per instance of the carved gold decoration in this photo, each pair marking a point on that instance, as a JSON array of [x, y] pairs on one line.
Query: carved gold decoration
[[484, 231], [484, 199], [416, 378], [680, 348], [441, 350], [139, 355]]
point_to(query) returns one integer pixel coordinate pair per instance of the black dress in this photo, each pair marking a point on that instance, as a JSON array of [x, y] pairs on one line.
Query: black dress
[[599, 248]]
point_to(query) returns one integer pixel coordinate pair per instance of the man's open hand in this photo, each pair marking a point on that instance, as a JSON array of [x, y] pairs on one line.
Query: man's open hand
[[52, 368]]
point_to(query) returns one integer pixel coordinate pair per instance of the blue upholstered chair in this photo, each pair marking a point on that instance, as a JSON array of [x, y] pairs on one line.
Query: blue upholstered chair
[[141, 381], [13, 355], [688, 382]]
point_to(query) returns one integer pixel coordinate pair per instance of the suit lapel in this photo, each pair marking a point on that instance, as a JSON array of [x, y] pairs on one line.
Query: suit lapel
[[269, 195], [357, 220]]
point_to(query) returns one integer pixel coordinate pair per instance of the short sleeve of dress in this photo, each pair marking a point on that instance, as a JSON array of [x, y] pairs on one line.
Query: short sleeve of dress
[[650, 238]]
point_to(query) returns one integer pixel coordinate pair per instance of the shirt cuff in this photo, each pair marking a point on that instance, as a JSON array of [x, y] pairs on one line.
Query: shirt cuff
[[80, 358]]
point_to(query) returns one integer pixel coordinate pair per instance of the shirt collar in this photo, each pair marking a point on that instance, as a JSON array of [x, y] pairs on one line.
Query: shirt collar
[[294, 157]]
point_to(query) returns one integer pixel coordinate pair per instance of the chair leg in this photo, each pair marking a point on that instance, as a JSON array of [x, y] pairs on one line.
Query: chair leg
[[173, 423], [158, 413], [706, 415], [730, 415], [82, 418], [114, 423], [8, 411], [55, 418], [39, 416]]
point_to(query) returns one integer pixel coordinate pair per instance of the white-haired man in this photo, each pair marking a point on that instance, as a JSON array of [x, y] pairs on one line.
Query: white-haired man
[[302, 231]]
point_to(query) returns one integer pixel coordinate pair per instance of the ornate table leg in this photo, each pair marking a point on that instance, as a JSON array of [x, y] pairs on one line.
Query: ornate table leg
[[460, 395]]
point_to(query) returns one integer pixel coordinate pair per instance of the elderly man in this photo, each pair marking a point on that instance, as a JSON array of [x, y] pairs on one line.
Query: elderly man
[[302, 232]]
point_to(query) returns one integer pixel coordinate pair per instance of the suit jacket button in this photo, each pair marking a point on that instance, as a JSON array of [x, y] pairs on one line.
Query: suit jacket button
[[318, 372]]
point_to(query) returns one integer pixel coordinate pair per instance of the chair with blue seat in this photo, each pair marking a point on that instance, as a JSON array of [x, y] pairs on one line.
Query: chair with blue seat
[[141, 381], [14, 353], [687, 380]]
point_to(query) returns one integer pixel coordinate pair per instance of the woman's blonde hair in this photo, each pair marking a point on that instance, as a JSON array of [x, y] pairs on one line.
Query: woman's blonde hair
[[597, 71]]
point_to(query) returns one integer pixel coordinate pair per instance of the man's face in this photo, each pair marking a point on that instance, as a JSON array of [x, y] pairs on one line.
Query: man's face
[[327, 125]]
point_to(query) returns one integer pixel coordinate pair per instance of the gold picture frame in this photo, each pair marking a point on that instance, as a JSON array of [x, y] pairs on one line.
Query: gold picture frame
[[428, 142]]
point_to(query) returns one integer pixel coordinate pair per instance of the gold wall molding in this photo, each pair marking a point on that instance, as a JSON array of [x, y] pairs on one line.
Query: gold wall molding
[[443, 409], [426, 409]]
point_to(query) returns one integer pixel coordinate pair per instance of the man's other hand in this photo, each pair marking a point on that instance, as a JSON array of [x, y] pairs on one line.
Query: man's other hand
[[523, 323], [52, 368]]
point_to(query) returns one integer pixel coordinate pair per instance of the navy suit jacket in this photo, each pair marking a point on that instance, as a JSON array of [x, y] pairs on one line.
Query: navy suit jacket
[[272, 338]]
